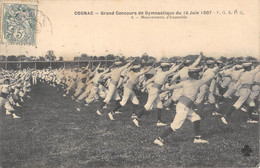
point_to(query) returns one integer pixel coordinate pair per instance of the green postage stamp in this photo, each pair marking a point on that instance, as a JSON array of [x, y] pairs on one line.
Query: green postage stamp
[[19, 22]]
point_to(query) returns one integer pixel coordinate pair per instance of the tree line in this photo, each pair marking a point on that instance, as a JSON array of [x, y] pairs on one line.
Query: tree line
[[144, 58]]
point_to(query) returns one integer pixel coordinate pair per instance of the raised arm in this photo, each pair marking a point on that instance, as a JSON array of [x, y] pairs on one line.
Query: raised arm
[[105, 71], [148, 82], [87, 67], [228, 66], [96, 69], [145, 71], [125, 66], [175, 76], [112, 65], [173, 69], [175, 86], [206, 79], [15, 82], [257, 69], [196, 63], [107, 75], [216, 70]]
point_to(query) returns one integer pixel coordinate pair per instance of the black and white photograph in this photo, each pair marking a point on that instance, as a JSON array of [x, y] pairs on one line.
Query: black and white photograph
[[120, 83]]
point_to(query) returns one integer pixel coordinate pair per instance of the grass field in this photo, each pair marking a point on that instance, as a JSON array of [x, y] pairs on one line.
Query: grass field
[[52, 133]]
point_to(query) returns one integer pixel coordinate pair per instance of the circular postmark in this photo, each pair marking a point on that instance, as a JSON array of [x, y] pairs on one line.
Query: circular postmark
[[43, 23]]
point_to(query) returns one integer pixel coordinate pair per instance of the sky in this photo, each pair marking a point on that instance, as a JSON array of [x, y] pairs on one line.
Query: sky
[[70, 35]]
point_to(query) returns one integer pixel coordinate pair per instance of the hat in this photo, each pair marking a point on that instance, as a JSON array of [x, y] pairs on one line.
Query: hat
[[194, 69], [187, 61], [27, 78], [84, 71], [238, 66], [219, 62], [5, 90], [136, 67], [19, 85], [6, 80], [150, 61], [101, 69], [210, 62], [165, 64], [118, 63], [179, 61], [247, 64]]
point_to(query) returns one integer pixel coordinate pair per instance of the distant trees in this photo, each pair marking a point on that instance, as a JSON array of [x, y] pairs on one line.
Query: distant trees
[[32, 58], [76, 58], [11, 58], [21, 58], [50, 56], [144, 58], [84, 57], [41, 59], [2, 58], [110, 57], [251, 59], [95, 58], [101, 58], [61, 59]]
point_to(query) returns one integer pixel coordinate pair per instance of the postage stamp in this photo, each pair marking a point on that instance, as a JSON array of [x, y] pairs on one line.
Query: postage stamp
[[19, 22]]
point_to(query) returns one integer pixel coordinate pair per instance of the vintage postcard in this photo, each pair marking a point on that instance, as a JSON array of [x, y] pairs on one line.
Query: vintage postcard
[[129, 83]]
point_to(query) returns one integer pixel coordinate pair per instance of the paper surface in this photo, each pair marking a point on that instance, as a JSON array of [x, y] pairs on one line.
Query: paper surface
[[131, 28], [159, 28]]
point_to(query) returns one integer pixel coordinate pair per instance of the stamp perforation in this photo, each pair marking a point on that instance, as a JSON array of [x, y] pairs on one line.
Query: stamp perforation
[[19, 23]]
